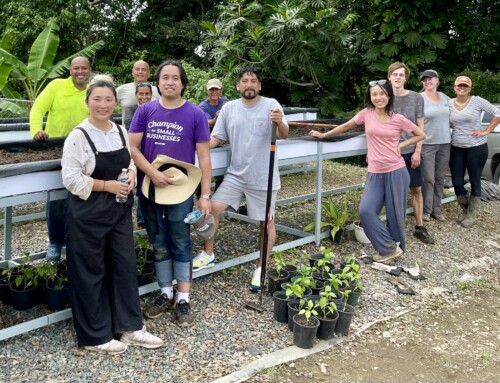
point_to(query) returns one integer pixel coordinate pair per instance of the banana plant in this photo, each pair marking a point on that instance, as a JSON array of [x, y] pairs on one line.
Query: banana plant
[[31, 78]]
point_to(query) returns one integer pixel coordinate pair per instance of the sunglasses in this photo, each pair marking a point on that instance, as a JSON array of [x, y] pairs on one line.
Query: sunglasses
[[379, 82]]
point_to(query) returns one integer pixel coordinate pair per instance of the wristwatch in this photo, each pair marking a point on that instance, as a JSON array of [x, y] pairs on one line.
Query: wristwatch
[[205, 196]]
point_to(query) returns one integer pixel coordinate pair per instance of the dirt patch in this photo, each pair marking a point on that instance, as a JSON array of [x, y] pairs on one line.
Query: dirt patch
[[453, 339]]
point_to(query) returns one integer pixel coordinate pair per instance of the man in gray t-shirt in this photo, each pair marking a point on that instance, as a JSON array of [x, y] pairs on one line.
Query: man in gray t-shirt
[[245, 124], [411, 105]]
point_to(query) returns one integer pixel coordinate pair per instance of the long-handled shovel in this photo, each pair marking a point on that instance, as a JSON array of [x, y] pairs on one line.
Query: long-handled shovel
[[252, 305]]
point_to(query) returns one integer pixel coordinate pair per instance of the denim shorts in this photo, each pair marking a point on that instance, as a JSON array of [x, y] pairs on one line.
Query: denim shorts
[[416, 177]]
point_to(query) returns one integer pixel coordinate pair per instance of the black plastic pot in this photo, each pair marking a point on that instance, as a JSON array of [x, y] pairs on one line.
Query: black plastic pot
[[343, 264], [147, 276], [292, 271], [313, 258], [323, 277], [293, 308], [57, 298], [353, 298], [5, 293], [280, 306], [345, 318], [275, 279], [338, 236], [304, 334], [319, 286], [21, 299], [326, 329]]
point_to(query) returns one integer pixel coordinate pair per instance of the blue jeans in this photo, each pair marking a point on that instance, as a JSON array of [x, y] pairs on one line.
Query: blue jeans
[[470, 159], [55, 214], [171, 239]]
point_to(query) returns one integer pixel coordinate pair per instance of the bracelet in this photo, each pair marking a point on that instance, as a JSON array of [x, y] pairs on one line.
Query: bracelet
[[103, 185], [205, 196]]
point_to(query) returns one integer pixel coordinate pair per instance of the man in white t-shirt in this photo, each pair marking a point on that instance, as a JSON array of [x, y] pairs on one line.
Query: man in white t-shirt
[[126, 92], [245, 124]]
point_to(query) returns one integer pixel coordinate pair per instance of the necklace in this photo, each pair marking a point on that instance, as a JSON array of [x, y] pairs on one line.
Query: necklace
[[462, 103]]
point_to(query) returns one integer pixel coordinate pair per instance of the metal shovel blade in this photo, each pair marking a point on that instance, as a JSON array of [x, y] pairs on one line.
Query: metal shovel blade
[[255, 306]]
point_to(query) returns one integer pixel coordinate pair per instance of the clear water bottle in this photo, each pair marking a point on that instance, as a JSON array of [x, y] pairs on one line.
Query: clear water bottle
[[193, 217], [123, 178]]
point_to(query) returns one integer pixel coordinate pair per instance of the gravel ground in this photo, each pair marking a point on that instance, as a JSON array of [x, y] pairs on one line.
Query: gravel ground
[[228, 336]]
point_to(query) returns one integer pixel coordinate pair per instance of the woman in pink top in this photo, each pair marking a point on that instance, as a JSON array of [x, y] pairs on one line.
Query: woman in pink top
[[388, 180]]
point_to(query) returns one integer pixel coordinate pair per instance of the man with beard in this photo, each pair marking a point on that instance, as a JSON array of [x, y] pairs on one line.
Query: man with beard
[[64, 101], [246, 125]]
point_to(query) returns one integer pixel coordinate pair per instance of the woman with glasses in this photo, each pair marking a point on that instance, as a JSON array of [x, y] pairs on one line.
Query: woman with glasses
[[143, 93], [388, 180], [436, 147], [469, 148]]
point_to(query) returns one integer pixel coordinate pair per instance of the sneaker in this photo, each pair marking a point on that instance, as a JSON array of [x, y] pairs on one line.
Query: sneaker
[[54, 252], [159, 306], [422, 234], [389, 258], [203, 261], [183, 314], [141, 338], [438, 217], [426, 217], [113, 347], [255, 283]]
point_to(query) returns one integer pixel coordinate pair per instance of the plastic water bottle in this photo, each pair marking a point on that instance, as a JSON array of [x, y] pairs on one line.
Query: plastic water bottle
[[123, 178], [193, 217]]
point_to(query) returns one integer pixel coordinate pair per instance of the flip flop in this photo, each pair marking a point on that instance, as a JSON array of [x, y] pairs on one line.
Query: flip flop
[[402, 287], [414, 273], [393, 270]]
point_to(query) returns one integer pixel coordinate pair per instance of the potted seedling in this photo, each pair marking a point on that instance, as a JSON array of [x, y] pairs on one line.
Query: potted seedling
[[277, 275], [145, 268], [22, 288], [327, 315], [336, 215], [305, 325], [57, 292], [346, 313]]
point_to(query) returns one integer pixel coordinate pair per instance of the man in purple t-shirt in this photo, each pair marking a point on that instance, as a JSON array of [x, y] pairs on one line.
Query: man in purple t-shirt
[[174, 127]]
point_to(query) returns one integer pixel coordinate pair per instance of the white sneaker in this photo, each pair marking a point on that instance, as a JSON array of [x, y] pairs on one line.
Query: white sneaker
[[255, 283], [113, 347], [141, 338], [203, 261]]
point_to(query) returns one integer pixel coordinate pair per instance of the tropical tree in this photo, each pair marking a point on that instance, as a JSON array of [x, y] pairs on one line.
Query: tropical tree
[[25, 81], [304, 46]]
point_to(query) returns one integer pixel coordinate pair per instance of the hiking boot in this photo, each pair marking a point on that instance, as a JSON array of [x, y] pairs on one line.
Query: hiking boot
[[159, 306], [54, 252], [438, 217], [389, 258], [183, 314], [422, 234], [141, 338], [203, 261], [426, 217], [468, 221], [463, 201], [113, 347]]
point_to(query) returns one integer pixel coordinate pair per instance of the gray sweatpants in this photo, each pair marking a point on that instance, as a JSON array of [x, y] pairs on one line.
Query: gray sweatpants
[[435, 163], [389, 189]]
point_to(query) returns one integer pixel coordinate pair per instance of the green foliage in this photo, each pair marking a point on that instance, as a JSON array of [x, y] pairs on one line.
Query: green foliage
[[301, 45], [196, 90], [484, 84], [142, 247], [279, 261], [20, 80], [308, 309], [327, 306], [337, 215]]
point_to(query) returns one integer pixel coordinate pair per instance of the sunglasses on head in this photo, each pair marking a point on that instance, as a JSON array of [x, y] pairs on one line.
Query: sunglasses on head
[[377, 82]]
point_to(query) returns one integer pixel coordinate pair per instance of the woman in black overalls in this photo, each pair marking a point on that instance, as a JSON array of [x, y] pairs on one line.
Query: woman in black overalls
[[99, 232]]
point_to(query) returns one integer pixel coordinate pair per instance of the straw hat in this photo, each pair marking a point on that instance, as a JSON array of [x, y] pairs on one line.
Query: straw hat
[[185, 179]]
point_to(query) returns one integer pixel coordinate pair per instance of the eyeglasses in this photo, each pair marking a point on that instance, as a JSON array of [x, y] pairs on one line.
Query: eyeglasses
[[379, 82]]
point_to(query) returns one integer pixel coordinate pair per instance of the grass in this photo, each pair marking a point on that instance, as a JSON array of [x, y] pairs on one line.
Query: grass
[[479, 284]]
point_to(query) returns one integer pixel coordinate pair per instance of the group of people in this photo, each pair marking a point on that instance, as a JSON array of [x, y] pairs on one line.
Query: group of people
[[411, 140], [165, 136], [167, 133]]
